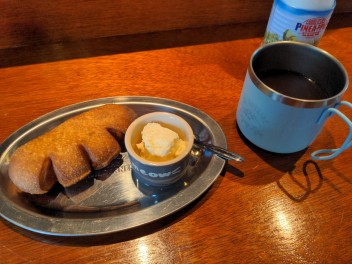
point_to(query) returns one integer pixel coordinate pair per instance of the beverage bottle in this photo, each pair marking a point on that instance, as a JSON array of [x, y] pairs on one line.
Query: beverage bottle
[[298, 20]]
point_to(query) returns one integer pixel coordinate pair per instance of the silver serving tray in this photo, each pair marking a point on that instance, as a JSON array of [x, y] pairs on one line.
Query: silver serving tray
[[111, 199]]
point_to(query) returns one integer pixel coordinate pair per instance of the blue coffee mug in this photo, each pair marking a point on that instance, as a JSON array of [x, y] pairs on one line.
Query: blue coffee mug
[[278, 115]]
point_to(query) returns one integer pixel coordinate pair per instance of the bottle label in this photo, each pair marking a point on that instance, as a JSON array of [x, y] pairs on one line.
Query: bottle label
[[292, 24]]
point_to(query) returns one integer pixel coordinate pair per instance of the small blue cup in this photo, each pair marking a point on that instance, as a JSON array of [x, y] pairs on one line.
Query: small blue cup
[[159, 173]]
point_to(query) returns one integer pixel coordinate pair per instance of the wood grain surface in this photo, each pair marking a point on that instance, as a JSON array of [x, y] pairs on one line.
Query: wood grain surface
[[31, 22], [270, 209]]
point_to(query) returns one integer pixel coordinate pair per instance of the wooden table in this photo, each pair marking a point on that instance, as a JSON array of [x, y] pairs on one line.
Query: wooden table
[[270, 209]]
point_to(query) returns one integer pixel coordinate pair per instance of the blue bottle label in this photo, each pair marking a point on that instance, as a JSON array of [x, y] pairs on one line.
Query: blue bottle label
[[292, 24]]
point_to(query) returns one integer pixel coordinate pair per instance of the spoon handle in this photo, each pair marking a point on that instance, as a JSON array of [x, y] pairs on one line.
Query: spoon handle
[[221, 152]]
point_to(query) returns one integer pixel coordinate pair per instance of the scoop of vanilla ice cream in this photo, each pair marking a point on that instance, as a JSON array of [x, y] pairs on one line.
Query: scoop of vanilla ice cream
[[160, 142]]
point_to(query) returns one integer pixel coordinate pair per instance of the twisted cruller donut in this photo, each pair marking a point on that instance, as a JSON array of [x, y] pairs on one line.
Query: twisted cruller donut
[[68, 152]]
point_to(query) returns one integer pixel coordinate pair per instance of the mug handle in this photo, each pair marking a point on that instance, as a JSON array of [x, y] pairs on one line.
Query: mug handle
[[326, 154]]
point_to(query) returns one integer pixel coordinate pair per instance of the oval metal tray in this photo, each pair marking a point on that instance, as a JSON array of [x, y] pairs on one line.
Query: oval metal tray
[[109, 200]]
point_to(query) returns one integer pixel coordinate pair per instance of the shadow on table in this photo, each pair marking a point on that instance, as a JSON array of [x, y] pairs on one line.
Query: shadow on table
[[280, 163], [306, 187], [233, 170], [297, 179]]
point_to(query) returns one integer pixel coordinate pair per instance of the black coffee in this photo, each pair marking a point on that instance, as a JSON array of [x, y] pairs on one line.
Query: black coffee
[[292, 84]]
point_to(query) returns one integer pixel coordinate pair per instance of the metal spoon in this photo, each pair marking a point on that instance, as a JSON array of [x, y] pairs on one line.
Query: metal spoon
[[221, 152]]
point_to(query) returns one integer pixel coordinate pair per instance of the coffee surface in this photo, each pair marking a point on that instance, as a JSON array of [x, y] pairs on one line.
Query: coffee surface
[[292, 84]]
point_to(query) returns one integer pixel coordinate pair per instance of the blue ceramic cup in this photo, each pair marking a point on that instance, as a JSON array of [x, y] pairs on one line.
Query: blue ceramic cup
[[290, 90], [159, 173]]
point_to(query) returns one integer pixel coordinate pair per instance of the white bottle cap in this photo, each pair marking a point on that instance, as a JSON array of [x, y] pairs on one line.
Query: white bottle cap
[[312, 5]]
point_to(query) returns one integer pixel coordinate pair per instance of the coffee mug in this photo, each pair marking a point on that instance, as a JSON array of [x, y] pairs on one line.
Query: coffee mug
[[289, 92]]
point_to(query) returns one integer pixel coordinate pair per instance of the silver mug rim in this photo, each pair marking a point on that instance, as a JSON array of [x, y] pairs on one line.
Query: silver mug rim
[[293, 101]]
